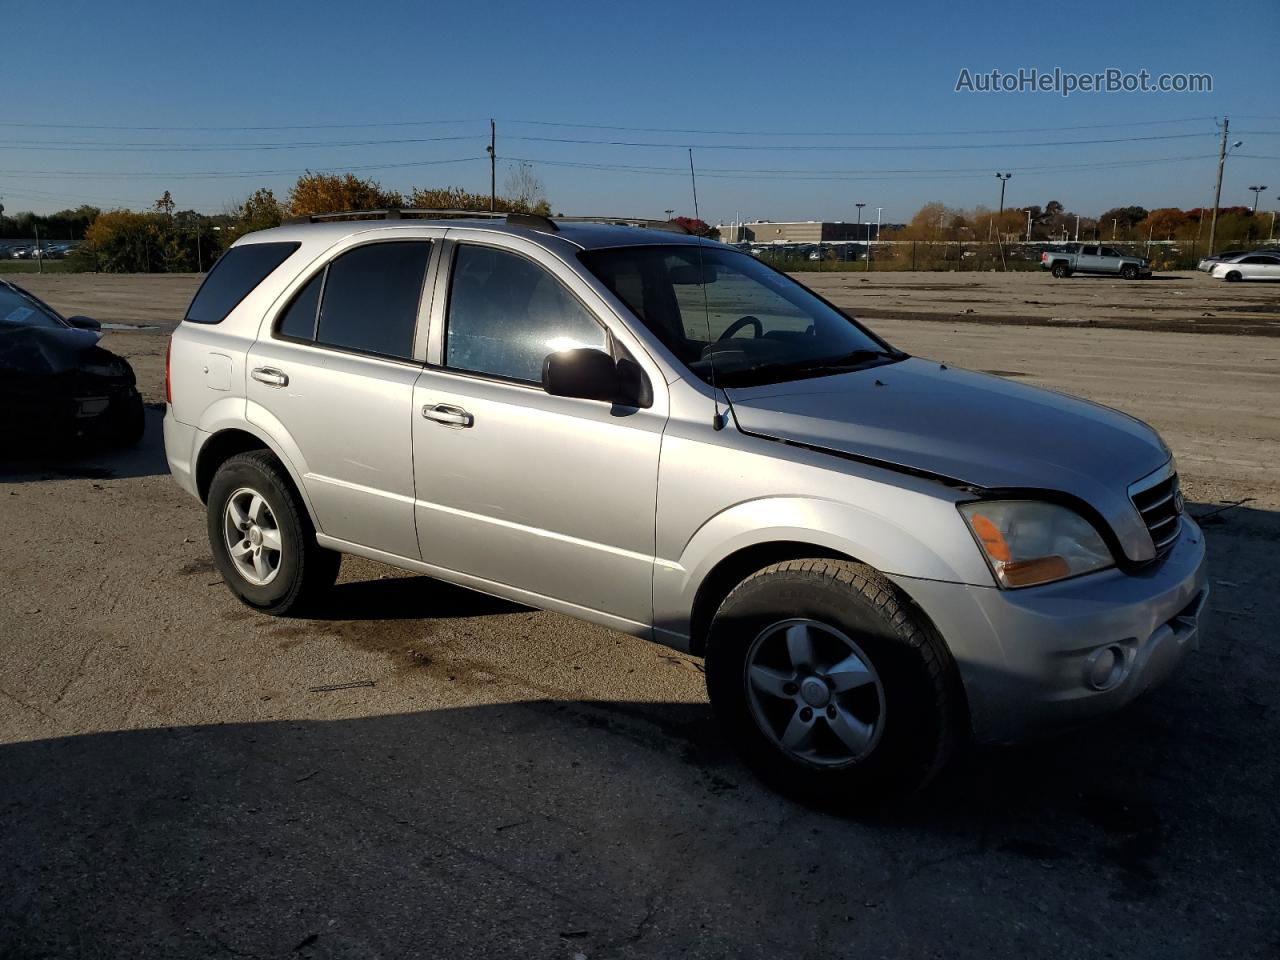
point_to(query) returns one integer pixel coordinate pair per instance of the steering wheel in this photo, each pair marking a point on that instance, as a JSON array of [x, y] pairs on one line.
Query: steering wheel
[[741, 322]]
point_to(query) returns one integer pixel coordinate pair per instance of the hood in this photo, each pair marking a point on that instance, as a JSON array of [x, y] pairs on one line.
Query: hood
[[978, 429]]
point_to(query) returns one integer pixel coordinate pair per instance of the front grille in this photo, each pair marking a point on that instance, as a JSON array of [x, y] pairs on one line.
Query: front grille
[[1161, 507]]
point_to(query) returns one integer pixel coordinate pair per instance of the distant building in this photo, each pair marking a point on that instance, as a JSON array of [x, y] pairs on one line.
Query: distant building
[[806, 231]]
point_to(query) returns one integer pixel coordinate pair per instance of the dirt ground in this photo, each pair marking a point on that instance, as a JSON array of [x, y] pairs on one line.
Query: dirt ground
[[422, 771]]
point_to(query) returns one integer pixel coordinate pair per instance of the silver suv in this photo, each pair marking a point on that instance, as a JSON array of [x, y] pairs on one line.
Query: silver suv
[[878, 555]]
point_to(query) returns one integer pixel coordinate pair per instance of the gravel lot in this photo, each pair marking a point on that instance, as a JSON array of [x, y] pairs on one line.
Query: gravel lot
[[179, 777]]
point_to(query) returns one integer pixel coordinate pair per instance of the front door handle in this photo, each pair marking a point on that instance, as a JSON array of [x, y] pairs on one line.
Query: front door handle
[[270, 376], [448, 414]]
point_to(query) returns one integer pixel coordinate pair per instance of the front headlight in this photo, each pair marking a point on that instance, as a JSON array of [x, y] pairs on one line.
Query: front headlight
[[1028, 542]]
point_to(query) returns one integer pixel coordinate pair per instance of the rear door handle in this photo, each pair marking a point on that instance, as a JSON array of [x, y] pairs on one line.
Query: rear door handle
[[270, 376], [448, 414]]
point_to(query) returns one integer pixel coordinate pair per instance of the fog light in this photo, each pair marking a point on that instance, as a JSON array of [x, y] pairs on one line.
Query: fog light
[[1106, 667]]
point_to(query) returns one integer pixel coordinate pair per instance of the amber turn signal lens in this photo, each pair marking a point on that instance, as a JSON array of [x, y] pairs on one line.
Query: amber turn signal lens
[[1024, 573], [992, 539]]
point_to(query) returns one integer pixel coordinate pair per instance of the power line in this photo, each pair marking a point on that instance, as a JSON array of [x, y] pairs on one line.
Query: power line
[[367, 125], [856, 133], [96, 146], [905, 174], [302, 126], [862, 147], [223, 174]]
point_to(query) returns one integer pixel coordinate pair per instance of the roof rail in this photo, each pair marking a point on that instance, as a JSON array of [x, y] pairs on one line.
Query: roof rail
[[394, 213], [535, 221]]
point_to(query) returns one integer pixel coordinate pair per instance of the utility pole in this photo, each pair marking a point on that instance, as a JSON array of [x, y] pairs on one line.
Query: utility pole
[[1113, 229], [1028, 224], [199, 256], [1217, 189], [1077, 236], [1256, 191], [493, 167], [39, 259]]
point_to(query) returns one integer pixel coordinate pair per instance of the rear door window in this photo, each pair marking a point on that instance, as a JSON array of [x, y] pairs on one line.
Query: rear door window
[[371, 297], [234, 277]]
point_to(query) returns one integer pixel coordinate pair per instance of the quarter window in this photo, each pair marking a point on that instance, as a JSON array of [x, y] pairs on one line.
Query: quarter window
[[298, 322], [371, 297], [234, 277], [507, 314]]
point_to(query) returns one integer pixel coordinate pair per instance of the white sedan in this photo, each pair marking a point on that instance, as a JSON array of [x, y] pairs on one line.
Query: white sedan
[[1251, 266]]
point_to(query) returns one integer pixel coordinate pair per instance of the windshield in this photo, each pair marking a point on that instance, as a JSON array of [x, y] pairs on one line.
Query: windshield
[[17, 308], [757, 324]]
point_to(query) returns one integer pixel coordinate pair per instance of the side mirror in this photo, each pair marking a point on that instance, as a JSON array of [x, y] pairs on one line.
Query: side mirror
[[84, 323], [591, 374]]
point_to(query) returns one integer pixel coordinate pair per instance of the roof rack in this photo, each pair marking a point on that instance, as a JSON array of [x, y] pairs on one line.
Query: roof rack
[[534, 221]]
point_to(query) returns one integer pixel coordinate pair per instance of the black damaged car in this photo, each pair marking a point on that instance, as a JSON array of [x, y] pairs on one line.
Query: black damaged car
[[56, 384]]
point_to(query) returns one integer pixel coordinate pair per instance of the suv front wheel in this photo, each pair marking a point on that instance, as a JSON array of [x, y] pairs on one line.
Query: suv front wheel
[[831, 683], [262, 540]]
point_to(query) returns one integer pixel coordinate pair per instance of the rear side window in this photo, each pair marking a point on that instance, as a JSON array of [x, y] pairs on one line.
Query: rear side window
[[371, 296], [233, 278]]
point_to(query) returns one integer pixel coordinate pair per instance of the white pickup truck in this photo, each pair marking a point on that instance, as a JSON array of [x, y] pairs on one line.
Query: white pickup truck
[[1090, 258]]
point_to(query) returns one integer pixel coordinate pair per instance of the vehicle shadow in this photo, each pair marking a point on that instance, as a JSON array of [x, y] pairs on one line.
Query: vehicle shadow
[[66, 459], [408, 598]]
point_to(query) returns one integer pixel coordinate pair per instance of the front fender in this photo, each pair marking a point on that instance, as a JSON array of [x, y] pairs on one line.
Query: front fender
[[925, 536]]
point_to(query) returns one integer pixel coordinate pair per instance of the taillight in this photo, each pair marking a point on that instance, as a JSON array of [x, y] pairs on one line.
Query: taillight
[[168, 382]]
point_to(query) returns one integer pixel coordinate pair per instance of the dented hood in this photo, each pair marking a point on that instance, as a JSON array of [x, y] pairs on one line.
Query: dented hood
[[969, 427]]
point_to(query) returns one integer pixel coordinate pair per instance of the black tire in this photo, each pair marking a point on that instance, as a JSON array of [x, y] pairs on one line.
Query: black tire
[[305, 569], [1233, 276], [1129, 272], [1061, 271], [921, 718]]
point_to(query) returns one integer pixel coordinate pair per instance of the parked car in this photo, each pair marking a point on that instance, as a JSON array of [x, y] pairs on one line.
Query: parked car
[[1250, 266], [56, 383], [1208, 263], [1092, 258], [879, 555]]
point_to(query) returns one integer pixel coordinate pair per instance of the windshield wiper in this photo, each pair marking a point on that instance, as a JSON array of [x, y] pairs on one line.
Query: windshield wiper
[[812, 366]]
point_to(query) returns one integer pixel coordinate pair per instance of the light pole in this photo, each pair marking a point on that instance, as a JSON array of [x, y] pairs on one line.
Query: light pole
[[1077, 236], [1003, 178], [1113, 229], [878, 210], [1028, 224], [1256, 191]]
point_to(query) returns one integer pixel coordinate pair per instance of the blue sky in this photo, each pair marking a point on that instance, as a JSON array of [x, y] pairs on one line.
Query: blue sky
[[885, 73]]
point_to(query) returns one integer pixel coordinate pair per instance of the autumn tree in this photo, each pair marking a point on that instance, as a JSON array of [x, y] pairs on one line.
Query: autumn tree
[[1163, 223], [332, 193], [699, 228], [165, 205]]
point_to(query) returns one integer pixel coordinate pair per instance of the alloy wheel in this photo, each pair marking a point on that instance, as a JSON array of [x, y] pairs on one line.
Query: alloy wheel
[[814, 692], [253, 537]]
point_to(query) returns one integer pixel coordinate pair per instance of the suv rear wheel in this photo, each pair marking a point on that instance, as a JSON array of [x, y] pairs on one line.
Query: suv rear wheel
[[262, 540], [1061, 270], [831, 684]]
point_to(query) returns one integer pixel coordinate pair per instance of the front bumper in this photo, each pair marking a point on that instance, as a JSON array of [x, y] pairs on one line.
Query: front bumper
[[1027, 657]]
